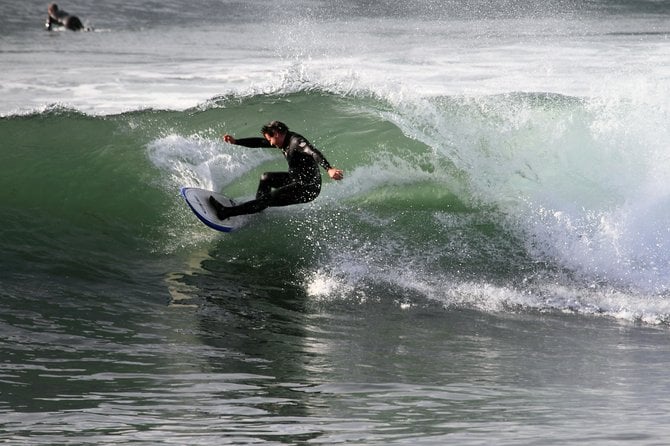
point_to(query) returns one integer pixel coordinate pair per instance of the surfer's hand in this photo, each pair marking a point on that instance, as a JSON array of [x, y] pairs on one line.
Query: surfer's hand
[[335, 174], [228, 138]]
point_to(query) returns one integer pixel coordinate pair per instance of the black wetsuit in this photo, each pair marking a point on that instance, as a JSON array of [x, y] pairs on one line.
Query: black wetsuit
[[62, 18], [301, 184]]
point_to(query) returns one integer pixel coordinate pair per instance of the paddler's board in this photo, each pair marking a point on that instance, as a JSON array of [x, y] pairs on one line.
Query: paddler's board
[[198, 201]]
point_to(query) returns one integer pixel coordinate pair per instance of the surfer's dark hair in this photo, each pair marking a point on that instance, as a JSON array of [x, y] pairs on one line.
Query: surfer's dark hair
[[274, 127]]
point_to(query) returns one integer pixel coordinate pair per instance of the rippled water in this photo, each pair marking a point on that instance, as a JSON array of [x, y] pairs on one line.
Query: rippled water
[[278, 369]]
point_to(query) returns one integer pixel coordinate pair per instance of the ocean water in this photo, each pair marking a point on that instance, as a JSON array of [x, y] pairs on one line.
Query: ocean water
[[493, 269]]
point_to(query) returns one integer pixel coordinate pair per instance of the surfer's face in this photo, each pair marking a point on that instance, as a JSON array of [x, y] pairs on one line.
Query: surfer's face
[[276, 138]]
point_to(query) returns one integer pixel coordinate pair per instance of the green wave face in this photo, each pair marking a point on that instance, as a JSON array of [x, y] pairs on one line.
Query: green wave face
[[439, 191]]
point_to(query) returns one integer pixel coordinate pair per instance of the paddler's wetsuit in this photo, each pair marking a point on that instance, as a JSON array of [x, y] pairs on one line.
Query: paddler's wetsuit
[[301, 184], [61, 18]]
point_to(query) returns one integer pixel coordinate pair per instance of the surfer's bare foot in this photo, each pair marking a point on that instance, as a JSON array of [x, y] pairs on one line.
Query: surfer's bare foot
[[219, 208]]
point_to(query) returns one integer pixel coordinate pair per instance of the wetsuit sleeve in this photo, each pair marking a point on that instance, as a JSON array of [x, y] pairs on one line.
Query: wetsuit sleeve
[[253, 142], [312, 151]]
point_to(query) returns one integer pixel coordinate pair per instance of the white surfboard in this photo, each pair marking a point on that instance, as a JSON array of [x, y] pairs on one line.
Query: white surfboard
[[198, 200]]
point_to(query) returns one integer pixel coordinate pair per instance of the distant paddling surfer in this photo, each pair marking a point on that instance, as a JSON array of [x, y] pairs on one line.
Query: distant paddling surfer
[[61, 18], [302, 182]]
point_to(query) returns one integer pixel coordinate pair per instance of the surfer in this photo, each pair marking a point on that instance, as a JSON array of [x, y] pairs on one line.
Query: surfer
[[302, 182], [61, 18]]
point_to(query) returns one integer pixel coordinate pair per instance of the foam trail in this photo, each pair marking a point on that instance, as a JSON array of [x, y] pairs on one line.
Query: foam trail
[[200, 162]]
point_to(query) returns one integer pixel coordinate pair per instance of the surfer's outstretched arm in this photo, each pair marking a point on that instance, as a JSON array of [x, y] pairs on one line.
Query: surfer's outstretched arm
[[247, 142]]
